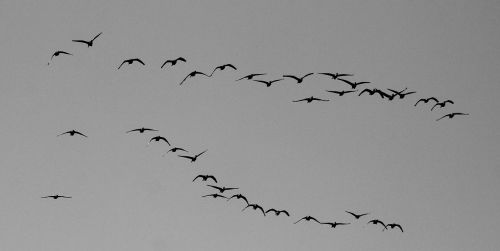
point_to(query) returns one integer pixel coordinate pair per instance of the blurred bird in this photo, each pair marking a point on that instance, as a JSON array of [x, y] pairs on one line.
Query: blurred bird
[[375, 222], [214, 195], [205, 178], [357, 216], [57, 53], [401, 94], [255, 207], [192, 158], [393, 225], [340, 93], [72, 133], [251, 76], [222, 189], [310, 99], [222, 67], [298, 79], [174, 149], [239, 196], [425, 100], [442, 104], [130, 61], [334, 224], [88, 43], [192, 74], [158, 138], [172, 62], [353, 84], [451, 115], [335, 75], [277, 212], [55, 197], [307, 218], [142, 130], [268, 83]]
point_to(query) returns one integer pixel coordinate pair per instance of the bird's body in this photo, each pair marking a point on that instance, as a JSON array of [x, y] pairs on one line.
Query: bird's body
[[298, 79], [205, 177], [334, 224], [130, 61], [340, 93], [192, 158], [357, 216], [73, 133], [451, 115], [425, 100], [335, 75], [250, 76], [308, 218], [88, 43], [158, 138], [442, 104], [142, 130], [222, 67], [393, 225], [255, 207], [214, 195], [192, 74], [239, 196], [173, 62], [268, 83], [375, 222], [310, 99], [222, 189], [55, 197], [277, 212]]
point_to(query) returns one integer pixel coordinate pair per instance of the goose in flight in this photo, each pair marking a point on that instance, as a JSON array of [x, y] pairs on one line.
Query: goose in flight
[[451, 115], [425, 100], [335, 75], [340, 93], [142, 130], [375, 222], [353, 84], [277, 212], [205, 178], [442, 104], [172, 62], [393, 225], [55, 197], [373, 91], [268, 83], [130, 61], [357, 216], [192, 158], [88, 43], [298, 79], [222, 189], [57, 53], [239, 196], [192, 74], [222, 67], [310, 99], [174, 149], [401, 94], [307, 218], [255, 207], [72, 133], [214, 195], [334, 224], [251, 76], [158, 138]]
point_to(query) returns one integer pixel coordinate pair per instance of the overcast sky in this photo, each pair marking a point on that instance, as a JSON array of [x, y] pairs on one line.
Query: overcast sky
[[439, 180]]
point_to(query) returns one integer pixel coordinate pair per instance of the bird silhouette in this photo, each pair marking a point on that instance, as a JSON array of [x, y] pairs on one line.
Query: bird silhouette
[[340, 93], [393, 225], [240, 197], [374, 91], [72, 133], [175, 149], [307, 218], [353, 84], [425, 100], [130, 61], [255, 207], [451, 115], [55, 197], [357, 216], [268, 83], [205, 178], [442, 104], [88, 43], [277, 212], [57, 53], [192, 158], [298, 79], [222, 67], [335, 75], [375, 222], [310, 99], [401, 94], [251, 76], [158, 138], [222, 189], [142, 130], [214, 195], [172, 62], [334, 224], [192, 74]]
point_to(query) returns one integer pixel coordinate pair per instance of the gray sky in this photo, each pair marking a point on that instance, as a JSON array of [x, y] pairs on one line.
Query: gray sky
[[439, 180]]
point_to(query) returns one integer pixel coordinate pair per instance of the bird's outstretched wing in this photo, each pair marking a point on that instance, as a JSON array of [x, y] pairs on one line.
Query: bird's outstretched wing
[[124, 61], [304, 99], [81, 41], [292, 76], [216, 187], [186, 157], [199, 176], [44, 197], [250, 76], [139, 60], [166, 62], [346, 81], [133, 130], [199, 154], [67, 197], [447, 115], [63, 133], [96, 36], [81, 134], [318, 99]]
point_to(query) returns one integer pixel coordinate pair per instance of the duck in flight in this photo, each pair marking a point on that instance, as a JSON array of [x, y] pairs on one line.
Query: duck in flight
[[393, 225], [251, 76], [240, 197], [357, 216], [192, 158], [353, 84], [425, 100], [268, 83], [172, 62], [88, 43], [298, 79], [130, 61], [375, 222], [335, 75], [442, 104], [222, 67], [307, 218], [340, 93], [222, 189], [451, 115], [255, 207], [205, 178], [214, 195], [158, 138], [55, 197], [277, 212], [310, 99], [142, 130], [334, 224], [192, 74], [73, 133]]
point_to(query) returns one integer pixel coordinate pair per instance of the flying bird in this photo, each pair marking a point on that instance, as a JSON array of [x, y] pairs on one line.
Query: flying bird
[[334, 224], [393, 225], [357, 216], [130, 61], [442, 104], [205, 178], [88, 43], [55, 197], [255, 207], [192, 158], [57, 53], [192, 74], [251, 76], [451, 115], [353, 84], [239, 196], [268, 83], [375, 222], [401, 94], [222, 67], [142, 130], [373, 91], [298, 79], [72, 133], [307, 218], [223, 189], [277, 212], [425, 100], [214, 195], [310, 99], [335, 75], [175, 149], [172, 62], [158, 138], [340, 93]]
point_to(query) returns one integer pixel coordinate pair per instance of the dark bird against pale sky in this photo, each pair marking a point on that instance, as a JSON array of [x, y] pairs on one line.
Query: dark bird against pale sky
[[192, 74], [158, 138], [335, 75], [130, 61], [57, 53], [310, 99], [255, 207], [222, 67], [298, 79], [73, 133], [240, 197], [308, 218], [192, 158], [277, 212], [334, 224], [451, 115], [251, 76], [88, 43], [214, 195], [442, 104], [268, 83], [173, 62], [142, 130], [357, 216], [55, 197], [425, 100], [205, 177], [222, 189], [353, 84], [340, 93], [377, 222]]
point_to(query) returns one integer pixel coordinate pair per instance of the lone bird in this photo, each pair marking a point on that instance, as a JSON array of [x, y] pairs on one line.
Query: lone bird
[[72, 133], [192, 158], [357, 216], [172, 62], [425, 100], [451, 115], [310, 99], [340, 93], [334, 224], [442, 104], [251, 76], [375, 222], [158, 138], [268, 83], [240, 197], [277, 212], [255, 207], [298, 79], [205, 178], [222, 67], [222, 189], [130, 61], [393, 225], [353, 84], [335, 75], [88, 43], [57, 53], [55, 197], [192, 74], [214, 195], [307, 218], [142, 130]]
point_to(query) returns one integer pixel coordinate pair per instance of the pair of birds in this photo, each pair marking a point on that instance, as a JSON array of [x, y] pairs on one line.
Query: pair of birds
[[195, 73], [172, 62]]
